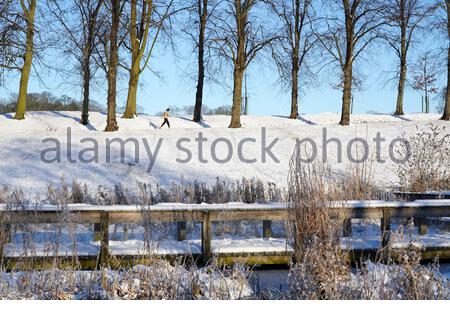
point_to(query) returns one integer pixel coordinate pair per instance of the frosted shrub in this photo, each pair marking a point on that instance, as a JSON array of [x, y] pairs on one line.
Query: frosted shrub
[[59, 195], [322, 269], [80, 193], [428, 164], [407, 280], [121, 195], [311, 187], [245, 190], [321, 274], [160, 280], [4, 194], [329, 278]]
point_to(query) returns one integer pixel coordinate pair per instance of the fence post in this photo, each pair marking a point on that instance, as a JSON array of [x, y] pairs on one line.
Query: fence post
[[125, 233], [104, 241], [9, 233], [386, 227], [267, 229], [206, 237], [182, 231], [423, 225], [347, 228], [97, 231], [5, 237]]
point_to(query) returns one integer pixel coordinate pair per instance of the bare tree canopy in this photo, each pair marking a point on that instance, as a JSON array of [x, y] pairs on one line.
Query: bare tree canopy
[[350, 27], [424, 72], [295, 42], [17, 33], [77, 27], [146, 21], [199, 14], [240, 35], [404, 19]]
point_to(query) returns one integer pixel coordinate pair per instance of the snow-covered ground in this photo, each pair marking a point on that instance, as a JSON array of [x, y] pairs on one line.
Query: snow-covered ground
[[21, 145]]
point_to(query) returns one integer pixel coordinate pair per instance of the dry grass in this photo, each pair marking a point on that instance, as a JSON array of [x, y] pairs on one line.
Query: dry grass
[[428, 164], [322, 269], [158, 281]]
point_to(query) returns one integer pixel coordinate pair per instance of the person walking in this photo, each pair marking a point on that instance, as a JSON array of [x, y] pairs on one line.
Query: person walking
[[166, 118]]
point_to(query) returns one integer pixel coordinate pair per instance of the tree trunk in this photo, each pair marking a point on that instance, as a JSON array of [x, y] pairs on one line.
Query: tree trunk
[[294, 92], [347, 96], [28, 59], [348, 66], [203, 14], [403, 53], [241, 16], [86, 65], [199, 93], [446, 115], [86, 90], [401, 90], [111, 122], [130, 110], [295, 62], [237, 98]]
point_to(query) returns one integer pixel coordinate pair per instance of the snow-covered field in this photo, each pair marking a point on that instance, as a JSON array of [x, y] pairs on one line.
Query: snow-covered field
[[21, 147]]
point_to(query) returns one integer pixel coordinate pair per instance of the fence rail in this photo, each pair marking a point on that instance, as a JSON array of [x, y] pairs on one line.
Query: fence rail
[[103, 216]]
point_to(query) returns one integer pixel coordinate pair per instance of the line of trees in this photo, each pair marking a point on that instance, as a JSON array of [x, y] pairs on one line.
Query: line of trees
[[107, 39], [46, 101]]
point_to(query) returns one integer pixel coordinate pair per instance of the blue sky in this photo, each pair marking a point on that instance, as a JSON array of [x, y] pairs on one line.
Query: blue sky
[[265, 96]]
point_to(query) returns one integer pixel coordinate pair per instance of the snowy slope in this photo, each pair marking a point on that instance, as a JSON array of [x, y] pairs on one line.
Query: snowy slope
[[21, 145]]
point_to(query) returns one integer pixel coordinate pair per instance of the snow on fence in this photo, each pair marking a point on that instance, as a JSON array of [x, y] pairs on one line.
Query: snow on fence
[[103, 216]]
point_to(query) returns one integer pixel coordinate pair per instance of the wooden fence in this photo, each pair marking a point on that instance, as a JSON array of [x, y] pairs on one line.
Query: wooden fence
[[103, 216]]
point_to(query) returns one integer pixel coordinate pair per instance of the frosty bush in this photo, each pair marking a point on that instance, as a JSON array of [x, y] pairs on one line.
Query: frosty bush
[[312, 186], [325, 275], [245, 190], [428, 161], [322, 269], [157, 281]]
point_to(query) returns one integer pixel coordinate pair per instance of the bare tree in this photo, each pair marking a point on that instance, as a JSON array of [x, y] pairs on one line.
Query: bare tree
[[404, 18], [295, 42], [116, 9], [78, 29], [202, 14], [202, 11], [425, 71], [199, 13], [8, 34], [144, 19], [17, 30], [446, 115], [345, 40], [240, 42]]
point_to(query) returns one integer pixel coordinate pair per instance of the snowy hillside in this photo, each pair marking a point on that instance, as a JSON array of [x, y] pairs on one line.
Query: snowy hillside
[[21, 147]]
